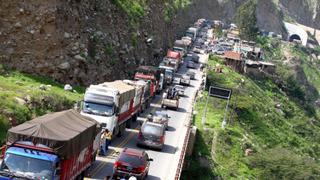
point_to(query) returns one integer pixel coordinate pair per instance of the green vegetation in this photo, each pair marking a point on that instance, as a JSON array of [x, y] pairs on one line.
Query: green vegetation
[[269, 117], [172, 7], [135, 9], [247, 21], [22, 98]]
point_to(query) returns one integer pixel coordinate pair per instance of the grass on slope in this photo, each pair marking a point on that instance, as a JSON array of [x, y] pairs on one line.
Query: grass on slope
[[263, 118], [135, 9], [22, 99]]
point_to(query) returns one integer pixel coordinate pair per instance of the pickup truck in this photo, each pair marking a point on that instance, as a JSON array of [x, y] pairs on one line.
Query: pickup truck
[[170, 100]]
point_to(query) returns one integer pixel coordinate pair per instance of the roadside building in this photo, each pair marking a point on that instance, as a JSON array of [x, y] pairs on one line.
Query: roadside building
[[234, 60]]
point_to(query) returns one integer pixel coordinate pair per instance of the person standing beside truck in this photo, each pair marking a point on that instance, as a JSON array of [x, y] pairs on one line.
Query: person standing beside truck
[[108, 136], [103, 149]]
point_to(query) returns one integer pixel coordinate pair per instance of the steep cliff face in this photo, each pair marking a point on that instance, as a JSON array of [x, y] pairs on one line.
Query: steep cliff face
[[303, 11], [80, 41], [86, 41]]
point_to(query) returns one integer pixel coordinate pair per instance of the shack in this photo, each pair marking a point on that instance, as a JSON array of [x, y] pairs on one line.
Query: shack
[[234, 60]]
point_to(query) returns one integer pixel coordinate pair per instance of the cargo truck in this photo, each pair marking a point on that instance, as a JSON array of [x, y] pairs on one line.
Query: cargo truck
[[173, 55], [192, 33], [181, 47], [111, 104], [142, 97], [57, 146], [169, 70], [152, 74]]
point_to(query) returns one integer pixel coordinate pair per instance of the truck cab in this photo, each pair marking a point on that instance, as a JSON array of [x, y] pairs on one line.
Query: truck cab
[[100, 104], [29, 163]]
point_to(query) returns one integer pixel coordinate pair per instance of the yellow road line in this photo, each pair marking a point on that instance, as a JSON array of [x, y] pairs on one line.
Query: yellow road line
[[103, 164]]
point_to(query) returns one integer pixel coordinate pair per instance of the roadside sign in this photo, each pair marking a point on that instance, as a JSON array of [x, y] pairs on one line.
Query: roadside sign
[[220, 92]]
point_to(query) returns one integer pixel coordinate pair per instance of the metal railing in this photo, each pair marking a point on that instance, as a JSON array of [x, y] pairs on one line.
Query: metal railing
[[186, 141]]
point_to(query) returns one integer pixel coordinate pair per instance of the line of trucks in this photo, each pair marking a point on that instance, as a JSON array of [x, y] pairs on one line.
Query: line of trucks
[[63, 145]]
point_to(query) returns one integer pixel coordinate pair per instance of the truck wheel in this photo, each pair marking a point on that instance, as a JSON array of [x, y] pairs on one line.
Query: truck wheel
[[116, 131], [129, 122], [135, 118], [122, 129]]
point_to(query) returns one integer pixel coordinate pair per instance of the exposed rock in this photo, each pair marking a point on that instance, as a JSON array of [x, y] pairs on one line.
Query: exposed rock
[[68, 87], [248, 152], [67, 35], [18, 25], [43, 87], [80, 58], [65, 66], [20, 101]]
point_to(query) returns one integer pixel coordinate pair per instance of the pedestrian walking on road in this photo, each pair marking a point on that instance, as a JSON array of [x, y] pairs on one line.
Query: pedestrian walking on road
[[108, 136]]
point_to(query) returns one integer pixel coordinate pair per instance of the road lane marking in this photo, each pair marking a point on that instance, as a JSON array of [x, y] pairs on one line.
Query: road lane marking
[[102, 164]]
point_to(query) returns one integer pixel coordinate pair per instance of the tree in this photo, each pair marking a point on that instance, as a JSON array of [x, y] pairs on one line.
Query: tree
[[247, 20]]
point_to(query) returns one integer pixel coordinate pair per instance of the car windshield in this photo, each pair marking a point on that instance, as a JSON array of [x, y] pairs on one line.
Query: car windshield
[[26, 166], [132, 160], [179, 87], [152, 129], [98, 109]]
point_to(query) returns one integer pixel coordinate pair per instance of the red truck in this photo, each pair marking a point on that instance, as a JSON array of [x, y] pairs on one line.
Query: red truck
[[152, 74], [60, 145], [173, 55]]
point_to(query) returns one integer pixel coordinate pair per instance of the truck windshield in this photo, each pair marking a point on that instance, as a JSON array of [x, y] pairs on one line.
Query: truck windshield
[[26, 166], [98, 109], [168, 73]]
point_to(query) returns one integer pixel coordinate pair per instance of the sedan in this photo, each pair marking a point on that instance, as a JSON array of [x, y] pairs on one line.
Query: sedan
[[131, 162], [185, 80], [191, 74], [191, 65], [151, 135], [180, 89]]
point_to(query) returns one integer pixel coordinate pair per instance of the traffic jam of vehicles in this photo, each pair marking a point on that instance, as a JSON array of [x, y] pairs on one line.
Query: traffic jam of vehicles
[[63, 145]]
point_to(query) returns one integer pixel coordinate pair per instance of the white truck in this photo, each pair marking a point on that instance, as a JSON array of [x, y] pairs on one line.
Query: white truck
[[111, 104], [192, 33]]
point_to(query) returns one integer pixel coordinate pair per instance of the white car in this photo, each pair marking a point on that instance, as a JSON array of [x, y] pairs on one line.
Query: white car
[[185, 80], [176, 80], [180, 89]]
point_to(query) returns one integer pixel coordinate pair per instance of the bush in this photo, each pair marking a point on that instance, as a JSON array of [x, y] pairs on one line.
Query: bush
[[247, 21], [281, 163]]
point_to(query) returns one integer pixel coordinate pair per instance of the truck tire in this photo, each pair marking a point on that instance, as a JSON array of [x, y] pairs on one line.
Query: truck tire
[[129, 122], [122, 129], [135, 118], [116, 131]]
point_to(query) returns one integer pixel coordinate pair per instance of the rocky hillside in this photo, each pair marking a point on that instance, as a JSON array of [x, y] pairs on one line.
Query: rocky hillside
[[85, 41]]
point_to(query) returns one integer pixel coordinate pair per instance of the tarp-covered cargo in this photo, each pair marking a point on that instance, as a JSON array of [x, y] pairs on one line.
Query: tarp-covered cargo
[[126, 91], [181, 43], [66, 132], [150, 70]]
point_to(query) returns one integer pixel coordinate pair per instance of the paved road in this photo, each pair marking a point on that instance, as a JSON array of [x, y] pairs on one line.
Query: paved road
[[166, 161]]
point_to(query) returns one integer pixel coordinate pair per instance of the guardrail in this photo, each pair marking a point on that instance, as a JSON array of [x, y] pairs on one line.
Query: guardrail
[[186, 141]]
